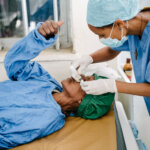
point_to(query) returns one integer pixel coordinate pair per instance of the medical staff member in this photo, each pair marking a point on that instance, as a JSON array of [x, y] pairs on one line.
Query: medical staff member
[[121, 27]]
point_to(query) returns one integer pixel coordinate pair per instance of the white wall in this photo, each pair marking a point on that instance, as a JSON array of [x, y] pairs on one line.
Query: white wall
[[84, 41], [144, 3]]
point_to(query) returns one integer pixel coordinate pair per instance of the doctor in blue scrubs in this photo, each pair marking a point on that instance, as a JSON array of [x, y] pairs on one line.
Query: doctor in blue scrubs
[[121, 27]]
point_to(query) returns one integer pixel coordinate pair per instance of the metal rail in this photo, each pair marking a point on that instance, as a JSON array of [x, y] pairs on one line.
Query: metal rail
[[25, 16], [55, 7]]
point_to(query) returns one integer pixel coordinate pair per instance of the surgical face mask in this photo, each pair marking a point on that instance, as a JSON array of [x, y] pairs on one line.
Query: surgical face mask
[[114, 42]]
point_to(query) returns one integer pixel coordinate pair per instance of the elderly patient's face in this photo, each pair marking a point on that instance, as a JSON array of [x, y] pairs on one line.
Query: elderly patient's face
[[72, 95], [73, 88]]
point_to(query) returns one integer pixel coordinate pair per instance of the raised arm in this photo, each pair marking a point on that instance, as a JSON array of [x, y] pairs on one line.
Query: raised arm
[[104, 54], [17, 60]]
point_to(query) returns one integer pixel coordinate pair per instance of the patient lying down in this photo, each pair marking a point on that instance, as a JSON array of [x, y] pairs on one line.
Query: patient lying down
[[32, 103], [74, 100]]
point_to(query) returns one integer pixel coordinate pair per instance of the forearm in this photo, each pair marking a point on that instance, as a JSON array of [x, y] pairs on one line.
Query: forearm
[[28, 47], [141, 89], [19, 56], [104, 54]]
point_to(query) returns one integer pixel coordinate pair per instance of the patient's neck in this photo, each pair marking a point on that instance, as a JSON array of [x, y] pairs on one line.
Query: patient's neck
[[64, 101], [59, 97]]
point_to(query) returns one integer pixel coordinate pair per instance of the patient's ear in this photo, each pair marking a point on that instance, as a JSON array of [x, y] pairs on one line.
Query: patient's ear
[[119, 23]]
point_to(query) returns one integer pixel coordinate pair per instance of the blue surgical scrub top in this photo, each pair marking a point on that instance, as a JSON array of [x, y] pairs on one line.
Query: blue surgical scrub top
[[141, 65], [27, 108]]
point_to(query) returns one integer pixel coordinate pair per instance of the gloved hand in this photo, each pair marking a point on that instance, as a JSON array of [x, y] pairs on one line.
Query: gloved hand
[[75, 74], [99, 87], [81, 64], [101, 69]]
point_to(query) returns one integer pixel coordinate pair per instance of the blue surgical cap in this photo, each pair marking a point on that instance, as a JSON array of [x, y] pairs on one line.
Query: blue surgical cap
[[104, 12]]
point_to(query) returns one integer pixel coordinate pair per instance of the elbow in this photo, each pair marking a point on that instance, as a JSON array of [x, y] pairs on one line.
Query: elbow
[[113, 53], [9, 70]]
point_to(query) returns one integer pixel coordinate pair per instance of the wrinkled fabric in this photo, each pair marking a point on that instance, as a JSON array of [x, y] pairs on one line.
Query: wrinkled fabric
[[141, 66], [104, 12], [27, 108], [95, 106]]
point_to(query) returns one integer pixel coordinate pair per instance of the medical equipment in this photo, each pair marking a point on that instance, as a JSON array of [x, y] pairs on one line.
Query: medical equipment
[[127, 68]]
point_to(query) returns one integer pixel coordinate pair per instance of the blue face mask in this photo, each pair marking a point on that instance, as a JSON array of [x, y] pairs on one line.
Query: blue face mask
[[113, 42]]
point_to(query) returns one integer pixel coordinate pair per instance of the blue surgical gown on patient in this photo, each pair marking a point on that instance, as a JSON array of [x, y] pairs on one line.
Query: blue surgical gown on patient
[[141, 65], [27, 108]]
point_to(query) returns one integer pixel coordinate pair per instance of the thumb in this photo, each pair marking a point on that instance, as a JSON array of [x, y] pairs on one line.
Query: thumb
[[60, 23]]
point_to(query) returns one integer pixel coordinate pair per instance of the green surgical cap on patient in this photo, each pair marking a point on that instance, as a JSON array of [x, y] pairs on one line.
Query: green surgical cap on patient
[[95, 106], [104, 12]]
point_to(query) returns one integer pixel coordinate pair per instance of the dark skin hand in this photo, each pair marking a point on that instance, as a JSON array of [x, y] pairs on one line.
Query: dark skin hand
[[50, 28]]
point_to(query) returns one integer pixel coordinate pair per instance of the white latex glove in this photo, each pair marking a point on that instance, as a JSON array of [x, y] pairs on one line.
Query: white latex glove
[[75, 74], [99, 87], [101, 69], [81, 64]]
